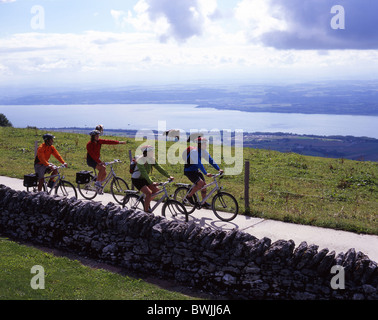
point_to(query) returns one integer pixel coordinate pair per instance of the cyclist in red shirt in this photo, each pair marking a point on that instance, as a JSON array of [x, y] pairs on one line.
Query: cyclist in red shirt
[[93, 154]]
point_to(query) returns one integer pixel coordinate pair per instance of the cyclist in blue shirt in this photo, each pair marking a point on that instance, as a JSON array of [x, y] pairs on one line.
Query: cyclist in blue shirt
[[194, 165]]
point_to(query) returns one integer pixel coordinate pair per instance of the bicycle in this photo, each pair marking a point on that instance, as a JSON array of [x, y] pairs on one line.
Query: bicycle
[[135, 201], [62, 187], [89, 190], [224, 205]]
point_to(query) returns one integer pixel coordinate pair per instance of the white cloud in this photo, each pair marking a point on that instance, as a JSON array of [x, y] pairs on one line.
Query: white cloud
[[117, 14], [178, 20], [120, 17], [306, 25], [127, 57], [258, 17]]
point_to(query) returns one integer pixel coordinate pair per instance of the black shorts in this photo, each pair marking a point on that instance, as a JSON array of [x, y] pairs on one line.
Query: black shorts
[[194, 176], [90, 162], [139, 183]]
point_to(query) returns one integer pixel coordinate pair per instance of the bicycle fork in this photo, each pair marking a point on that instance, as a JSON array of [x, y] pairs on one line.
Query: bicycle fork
[[223, 203]]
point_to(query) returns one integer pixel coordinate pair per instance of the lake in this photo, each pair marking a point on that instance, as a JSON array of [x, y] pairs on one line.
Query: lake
[[186, 117]]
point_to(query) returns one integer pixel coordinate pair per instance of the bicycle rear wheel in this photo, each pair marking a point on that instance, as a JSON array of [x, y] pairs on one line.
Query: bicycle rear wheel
[[88, 190], [118, 188], [66, 189], [133, 202], [35, 189], [225, 206], [180, 195], [174, 208]]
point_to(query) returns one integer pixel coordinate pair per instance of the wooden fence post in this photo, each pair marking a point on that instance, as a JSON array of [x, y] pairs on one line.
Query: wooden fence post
[[35, 148], [246, 187], [131, 158]]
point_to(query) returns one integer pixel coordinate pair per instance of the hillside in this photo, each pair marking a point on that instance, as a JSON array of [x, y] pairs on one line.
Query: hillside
[[353, 148], [334, 193]]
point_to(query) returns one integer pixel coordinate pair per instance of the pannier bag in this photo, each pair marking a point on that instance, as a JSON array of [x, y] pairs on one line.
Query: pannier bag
[[30, 180], [83, 177]]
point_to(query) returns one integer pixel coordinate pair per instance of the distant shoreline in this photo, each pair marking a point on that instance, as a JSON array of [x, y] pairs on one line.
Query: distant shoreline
[[354, 97], [291, 109], [131, 133]]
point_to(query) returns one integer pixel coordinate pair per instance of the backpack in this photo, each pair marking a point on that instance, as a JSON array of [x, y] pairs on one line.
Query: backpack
[[133, 165]]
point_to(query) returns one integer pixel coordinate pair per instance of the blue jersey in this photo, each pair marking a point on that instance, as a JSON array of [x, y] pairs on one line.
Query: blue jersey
[[194, 162]]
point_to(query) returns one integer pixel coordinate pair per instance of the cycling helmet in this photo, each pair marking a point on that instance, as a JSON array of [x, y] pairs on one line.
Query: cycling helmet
[[147, 148], [200, 140], [194, 136], [100, 128], [47, 137], [94, 132]]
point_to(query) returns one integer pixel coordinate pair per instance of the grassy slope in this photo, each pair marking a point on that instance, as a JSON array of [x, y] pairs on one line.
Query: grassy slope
[[335, 193], [68, 279]]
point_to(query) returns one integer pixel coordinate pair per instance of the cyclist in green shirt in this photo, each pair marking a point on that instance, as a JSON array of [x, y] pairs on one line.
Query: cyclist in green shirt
[[141, 175]]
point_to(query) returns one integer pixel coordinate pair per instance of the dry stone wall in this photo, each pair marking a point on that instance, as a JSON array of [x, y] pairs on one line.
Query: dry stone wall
[[229, 263]]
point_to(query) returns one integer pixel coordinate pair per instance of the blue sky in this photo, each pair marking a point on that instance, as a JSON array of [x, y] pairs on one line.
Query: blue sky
[[116, 43]]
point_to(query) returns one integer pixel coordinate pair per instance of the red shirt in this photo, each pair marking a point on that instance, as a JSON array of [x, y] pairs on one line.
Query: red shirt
[[93, 148]]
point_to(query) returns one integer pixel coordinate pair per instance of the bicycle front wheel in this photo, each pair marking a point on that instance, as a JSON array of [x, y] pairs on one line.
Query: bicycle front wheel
[[66, 189], [88, 190], [174, 208], [225, 206], [118, 188]]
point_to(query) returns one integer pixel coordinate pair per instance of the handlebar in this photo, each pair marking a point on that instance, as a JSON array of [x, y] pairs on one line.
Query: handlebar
[[54, 167], [161, 184], [220, 174], [113, 162]]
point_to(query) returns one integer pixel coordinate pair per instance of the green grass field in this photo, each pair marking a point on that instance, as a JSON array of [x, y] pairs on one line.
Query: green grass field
[[66, 279]]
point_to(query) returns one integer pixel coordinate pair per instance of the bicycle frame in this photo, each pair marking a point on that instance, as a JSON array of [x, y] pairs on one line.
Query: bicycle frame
[[111, 174], [165, 196], [158, 202], [89, 190], [217, 188], [60, 177]]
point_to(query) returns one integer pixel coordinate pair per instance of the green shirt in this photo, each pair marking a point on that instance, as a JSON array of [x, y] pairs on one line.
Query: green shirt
[[146, 169]]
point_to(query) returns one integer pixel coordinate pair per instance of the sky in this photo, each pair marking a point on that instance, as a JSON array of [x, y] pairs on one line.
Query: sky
[[127, 42]]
